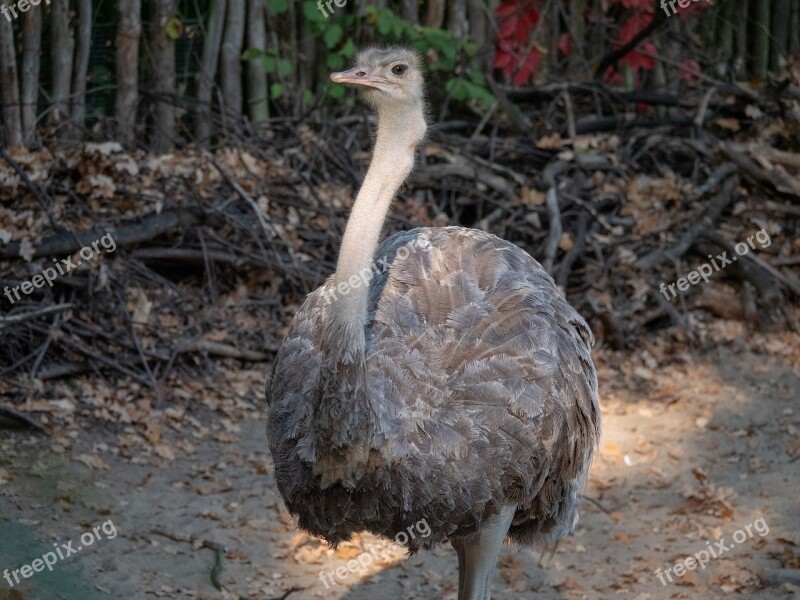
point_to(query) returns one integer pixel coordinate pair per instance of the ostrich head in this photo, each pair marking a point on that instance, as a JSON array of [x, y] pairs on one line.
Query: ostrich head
[[390, 79]]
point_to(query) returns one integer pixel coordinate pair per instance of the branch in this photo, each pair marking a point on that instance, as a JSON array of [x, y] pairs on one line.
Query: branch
[[15, 415], [715, 208], [149, 227], [611, 59], [6, 321]]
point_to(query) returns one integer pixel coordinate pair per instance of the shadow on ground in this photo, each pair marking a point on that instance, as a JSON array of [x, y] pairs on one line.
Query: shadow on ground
[[691, 453]]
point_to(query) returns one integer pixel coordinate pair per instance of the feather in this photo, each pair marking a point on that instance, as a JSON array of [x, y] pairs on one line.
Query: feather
[[477, 387]]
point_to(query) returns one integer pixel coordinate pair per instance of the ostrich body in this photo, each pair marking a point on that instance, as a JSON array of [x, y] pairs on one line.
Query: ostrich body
[[439, 376]]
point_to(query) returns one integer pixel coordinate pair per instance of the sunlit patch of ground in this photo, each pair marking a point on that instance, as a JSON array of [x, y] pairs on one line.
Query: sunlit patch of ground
[[695, 448]]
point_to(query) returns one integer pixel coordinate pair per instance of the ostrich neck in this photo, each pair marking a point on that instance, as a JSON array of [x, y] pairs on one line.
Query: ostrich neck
[[342, 417], [392, 161]]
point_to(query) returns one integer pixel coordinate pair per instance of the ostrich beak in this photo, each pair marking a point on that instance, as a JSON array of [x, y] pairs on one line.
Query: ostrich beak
[[358, 76]]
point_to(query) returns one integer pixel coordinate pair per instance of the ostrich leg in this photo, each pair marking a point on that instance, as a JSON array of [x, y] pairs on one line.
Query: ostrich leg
[[477, 556]]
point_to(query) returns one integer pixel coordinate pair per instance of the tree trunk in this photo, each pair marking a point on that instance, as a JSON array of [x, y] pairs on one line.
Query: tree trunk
[[10, 85], [794, 29], [761, 10], [308, 70], [31, 46], [725, 31], [411, 11], [482, 28], [577, 29], [457, 21], [208, 70], [781, 18], [129, 33], [81, 69], [740, 63], [63, 46], [162, 52], [232, 58], [435, 16], [257, 105]]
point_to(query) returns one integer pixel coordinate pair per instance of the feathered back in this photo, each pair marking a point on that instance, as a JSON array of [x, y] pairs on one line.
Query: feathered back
[[480, 391]]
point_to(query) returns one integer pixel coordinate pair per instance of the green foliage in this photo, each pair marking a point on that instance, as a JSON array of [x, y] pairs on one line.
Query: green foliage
[[277, 7], [451, 59], [270, 61]]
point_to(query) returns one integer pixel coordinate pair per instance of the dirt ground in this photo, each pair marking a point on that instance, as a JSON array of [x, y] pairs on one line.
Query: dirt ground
[[695, 448]]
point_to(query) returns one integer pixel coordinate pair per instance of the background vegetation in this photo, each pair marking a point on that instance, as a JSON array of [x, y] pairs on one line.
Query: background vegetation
[[166, 72]]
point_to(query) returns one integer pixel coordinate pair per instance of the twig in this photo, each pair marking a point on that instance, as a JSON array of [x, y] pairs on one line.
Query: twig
[[579, 243], [719, 175], [612, 58], [15, 415], [432, 175], [760, 263], [44, 200], [567, 97], [668, 308], [514, 114], [88, 351], [62, 370], [138, 344], [269, 229], [554, 236], [784, 184], [53, 327], [715, 208], [219, 552], [777, 577], [485, 119], [769, 292], [147, 228], [285, 595], [219, 349], [6, 321], [597, 503], [772, 154], [703, 108], [591, 210]]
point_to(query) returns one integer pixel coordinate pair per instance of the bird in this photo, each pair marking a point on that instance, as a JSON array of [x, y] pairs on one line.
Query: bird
[[438, 376]]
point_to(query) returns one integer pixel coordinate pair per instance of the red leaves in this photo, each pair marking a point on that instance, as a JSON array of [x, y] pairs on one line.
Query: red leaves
[[520, 47], [690, 70], [640, 5], [565, 45], [635, 60], [694, 9], [633, 26], [515, 55]]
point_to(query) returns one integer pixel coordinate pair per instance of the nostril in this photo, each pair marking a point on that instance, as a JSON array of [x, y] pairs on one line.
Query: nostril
[[361, 74]]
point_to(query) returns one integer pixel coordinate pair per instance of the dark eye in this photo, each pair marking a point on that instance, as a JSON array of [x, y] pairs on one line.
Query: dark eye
[[399, 69]]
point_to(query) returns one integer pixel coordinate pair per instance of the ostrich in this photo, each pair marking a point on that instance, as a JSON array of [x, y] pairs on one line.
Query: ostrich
[[439, 376]]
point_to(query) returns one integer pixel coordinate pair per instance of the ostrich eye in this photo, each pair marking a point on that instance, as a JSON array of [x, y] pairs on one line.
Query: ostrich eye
[[399, 69]]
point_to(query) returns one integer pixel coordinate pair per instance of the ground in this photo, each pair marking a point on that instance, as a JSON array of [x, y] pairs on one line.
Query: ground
[[697, 449]]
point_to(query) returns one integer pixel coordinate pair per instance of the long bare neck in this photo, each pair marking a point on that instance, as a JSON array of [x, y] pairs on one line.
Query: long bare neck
[[342, 422], [399, 131]]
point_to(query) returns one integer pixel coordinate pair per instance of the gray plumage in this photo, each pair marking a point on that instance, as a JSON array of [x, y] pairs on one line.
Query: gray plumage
[[478, 390], [467, 387]]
